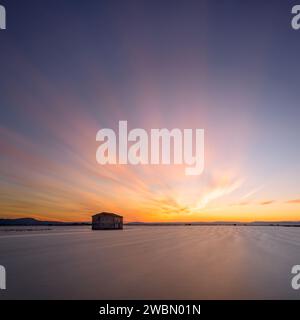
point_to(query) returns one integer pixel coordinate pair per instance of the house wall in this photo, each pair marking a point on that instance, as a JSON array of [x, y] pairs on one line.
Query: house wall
[[107, 222]]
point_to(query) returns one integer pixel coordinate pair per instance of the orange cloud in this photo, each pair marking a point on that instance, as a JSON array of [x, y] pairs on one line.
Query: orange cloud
[[242, 203], [294, 201], [263, 203]]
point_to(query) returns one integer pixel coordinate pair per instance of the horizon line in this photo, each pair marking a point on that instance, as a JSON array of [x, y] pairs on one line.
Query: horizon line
[[164, 222]]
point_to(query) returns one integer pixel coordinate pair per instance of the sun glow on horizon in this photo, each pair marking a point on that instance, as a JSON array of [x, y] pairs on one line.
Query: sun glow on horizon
[[72, 187]]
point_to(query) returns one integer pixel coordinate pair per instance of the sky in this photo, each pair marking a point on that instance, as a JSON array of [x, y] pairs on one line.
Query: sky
[[69, 68]]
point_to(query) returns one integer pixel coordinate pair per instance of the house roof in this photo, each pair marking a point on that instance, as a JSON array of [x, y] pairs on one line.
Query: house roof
[[107, 214]]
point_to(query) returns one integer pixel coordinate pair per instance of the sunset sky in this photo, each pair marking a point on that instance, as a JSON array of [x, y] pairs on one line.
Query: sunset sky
[[69, 68]]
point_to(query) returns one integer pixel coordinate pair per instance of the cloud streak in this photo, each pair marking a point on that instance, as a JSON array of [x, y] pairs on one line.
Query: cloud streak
[[293, 201], [264, 203], [252, 192]]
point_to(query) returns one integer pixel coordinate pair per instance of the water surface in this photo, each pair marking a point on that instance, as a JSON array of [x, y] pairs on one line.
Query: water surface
[[174, 262]]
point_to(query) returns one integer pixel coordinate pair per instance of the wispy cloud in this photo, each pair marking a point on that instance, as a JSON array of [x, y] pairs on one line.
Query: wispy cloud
[[217, 192], [264, 203], [297, 201], [242, 203], [252, 192]]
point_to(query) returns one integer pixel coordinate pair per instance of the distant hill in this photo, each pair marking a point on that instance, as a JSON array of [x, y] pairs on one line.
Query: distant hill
[[35, 222], [219, 223]]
